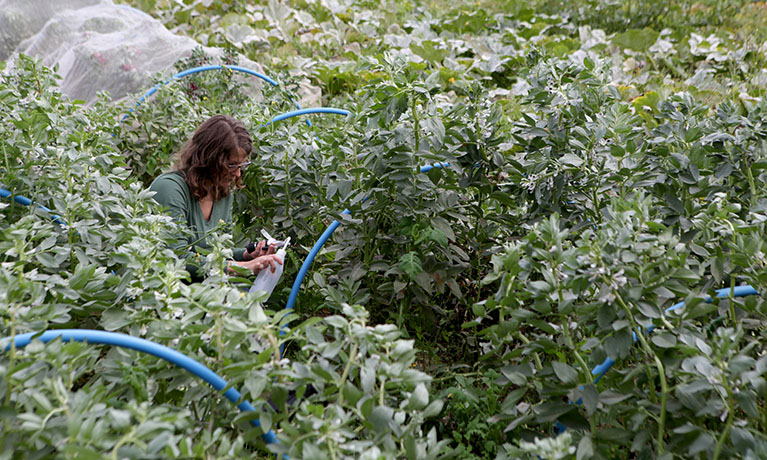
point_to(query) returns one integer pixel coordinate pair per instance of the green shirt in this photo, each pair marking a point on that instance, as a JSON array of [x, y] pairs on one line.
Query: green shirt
[[173, 193]]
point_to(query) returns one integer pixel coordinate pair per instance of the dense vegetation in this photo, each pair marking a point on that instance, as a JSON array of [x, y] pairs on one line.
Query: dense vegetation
[[607, 160]]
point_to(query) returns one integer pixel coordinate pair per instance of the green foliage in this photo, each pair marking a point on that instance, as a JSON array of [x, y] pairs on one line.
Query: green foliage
[[607, 160], [465, 418], [110, 268]]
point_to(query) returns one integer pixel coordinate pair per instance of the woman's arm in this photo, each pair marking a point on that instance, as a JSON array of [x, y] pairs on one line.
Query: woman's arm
[[256, 265]]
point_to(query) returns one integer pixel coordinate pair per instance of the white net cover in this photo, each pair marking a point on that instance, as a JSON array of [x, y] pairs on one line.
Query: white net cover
[[97, 45], [21, 19]]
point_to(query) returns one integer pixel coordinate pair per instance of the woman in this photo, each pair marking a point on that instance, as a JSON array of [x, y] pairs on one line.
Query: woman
[[198, 191]]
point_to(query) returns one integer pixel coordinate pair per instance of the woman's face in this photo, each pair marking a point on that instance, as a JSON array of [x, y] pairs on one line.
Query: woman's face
[[236, 165]]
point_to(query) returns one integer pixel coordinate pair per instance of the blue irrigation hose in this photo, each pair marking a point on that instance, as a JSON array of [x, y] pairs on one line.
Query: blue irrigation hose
[[27, 202], [295, 113], [427, 168], [206, 68], [232, 67], [316, 249], [738, 291], [145, 346], [601, 370]]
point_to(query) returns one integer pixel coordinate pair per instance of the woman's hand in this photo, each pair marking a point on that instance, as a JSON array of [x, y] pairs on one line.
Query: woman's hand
[[260, 263], [260, 250]]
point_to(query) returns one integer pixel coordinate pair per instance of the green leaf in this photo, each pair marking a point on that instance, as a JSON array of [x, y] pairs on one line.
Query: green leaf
[[311, 451], [338, 322], [419, 398], [114, 319], [565, 373], [410, 263], [590, 397], [512, 399], [367, 378], [718, 268], [649, 100], [742, 439], [433, 409], [82, 453], [266, 420], [438, 237], [686, 274], [693, 134], [636, 39], [702, 443], [47, 260], [674, 203], [83, 274], [619, 344], [428, 51], [380, 418], [664, 339], [585, 448], [436, 128], [551, 410], [410, 447], [351, 393], [747, 401], [572, 160]]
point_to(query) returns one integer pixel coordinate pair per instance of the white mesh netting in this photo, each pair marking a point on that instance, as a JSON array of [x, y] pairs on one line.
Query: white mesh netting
[[97, 45]]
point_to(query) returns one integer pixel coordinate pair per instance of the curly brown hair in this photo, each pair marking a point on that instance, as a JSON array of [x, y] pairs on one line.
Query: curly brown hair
[[205, 158]]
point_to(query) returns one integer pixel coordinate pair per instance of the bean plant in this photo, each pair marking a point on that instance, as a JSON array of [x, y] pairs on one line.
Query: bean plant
[[104, 263], [596, 164]]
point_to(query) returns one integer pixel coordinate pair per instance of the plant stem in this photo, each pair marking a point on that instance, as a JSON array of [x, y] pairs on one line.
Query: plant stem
[[8, 381], [566, 327], [733, 320], [751, 185], [352, 354], [48, 417], [581, 362], [569, 340], [526, 341], [288, 182], [595, 201], [416, 135], [121, 442], [730, 418], [382, 392], [661, 371], [11, 357], [478, 259], [332, 451], [219, 337], [7, 163], [402, 304]]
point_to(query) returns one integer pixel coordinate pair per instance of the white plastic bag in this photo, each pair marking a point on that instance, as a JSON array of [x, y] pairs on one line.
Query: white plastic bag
[[266, 280]]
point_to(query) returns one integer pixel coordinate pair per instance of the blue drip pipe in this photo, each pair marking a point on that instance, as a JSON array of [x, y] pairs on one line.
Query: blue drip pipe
[[144, 346], [27, 202], [295, 113], [206, 68], [738, 291], [601, 369], [316, 249]]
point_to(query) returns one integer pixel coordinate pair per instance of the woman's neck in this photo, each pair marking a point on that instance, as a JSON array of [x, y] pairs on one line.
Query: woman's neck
[[206, 206]]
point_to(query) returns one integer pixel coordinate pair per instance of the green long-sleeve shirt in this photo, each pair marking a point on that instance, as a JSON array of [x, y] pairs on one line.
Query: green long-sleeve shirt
[[173, 193]]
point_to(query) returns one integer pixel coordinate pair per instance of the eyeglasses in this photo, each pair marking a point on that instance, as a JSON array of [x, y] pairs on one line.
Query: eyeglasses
[[242, 166]]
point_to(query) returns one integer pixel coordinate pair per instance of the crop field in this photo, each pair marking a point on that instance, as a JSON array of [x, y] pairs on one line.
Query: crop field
[[548, 229]]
